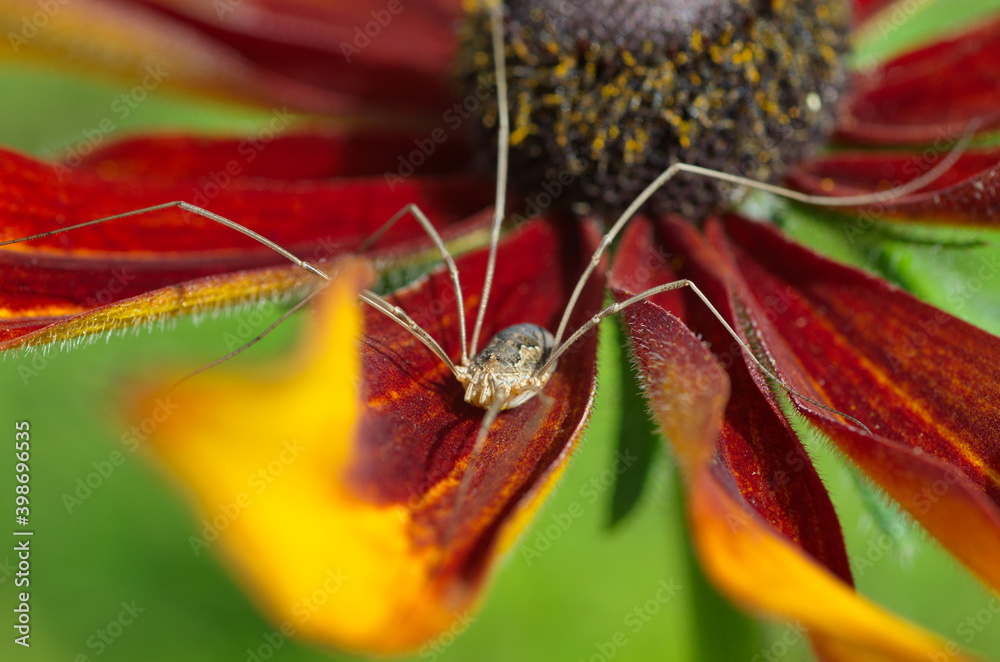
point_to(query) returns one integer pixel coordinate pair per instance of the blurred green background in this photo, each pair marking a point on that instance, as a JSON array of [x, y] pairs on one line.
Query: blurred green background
[[127, 542]]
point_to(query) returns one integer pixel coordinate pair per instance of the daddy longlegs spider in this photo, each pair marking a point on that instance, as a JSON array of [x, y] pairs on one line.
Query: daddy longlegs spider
[[517, 363]]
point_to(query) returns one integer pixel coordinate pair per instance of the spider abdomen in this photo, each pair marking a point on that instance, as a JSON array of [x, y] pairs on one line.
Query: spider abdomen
[[508, 367]]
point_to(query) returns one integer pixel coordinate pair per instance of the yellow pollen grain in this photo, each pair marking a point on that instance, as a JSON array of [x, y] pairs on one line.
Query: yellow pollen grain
[[696, 43], [518, 136], [629, 59]]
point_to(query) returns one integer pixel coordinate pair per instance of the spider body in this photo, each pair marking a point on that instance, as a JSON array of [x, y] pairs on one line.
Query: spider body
[[509, 368]]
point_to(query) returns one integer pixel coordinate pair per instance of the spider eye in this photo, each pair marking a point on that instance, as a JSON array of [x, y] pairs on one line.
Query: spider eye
[[604, 96]]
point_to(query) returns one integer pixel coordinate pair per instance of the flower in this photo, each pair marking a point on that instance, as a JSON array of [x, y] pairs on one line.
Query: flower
[[864, 355]]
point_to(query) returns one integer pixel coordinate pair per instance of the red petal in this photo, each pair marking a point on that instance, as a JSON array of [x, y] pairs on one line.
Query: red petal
[[415, 404], [282, 156], [924, 382], [53, 324], [928, 94], [396, 59], [686, 386], [320, 218], [968, 192], [743, 554], [759, 454], [864, 9]]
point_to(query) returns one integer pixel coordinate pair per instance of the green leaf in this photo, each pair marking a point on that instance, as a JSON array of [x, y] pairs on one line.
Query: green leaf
[[638, 438]]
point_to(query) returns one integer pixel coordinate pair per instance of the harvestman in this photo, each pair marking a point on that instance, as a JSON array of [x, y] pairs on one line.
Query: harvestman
[[517, 363]]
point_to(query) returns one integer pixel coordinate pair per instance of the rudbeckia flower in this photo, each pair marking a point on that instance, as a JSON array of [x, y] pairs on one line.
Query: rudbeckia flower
[[341, 488]]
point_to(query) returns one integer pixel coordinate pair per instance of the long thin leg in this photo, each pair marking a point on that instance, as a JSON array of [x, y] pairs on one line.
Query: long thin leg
[[445, 254], [378, 303], [399, 316], [819, 200], [394, 312], [247, 345], [622, 305], [503, 146], [204, 213]]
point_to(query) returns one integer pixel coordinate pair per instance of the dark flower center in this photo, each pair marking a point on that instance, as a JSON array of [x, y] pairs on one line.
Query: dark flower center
[[606, 94]]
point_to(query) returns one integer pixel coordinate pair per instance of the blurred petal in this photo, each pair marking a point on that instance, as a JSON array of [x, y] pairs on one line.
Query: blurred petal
[[384, 442], [741, 539], [763, 571], [141, 49], [928, 94], [925, 383], [967, 193], [394, 54], [277, 155], [317, 218], [864, 9]]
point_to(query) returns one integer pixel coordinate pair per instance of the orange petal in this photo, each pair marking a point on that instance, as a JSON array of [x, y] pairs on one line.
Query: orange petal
[[743, 554], [765, 572], [324, 566]]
